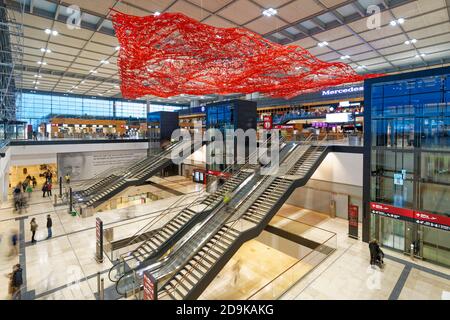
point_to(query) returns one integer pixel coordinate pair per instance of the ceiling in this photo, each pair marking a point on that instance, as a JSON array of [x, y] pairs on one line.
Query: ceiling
[[74, 64]]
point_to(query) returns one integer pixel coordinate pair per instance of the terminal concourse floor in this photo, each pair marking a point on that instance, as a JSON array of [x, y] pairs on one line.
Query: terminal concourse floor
[[64, 267]]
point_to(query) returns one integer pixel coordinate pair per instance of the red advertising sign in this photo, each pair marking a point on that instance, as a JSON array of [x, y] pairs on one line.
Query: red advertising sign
[[268, 122], [432, 220], [419, 217], [353, 221], [390, 211], [150, 287], [218, 174]]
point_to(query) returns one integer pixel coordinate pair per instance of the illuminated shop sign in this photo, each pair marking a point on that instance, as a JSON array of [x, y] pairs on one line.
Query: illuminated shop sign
[[338, 117], [334, 92]]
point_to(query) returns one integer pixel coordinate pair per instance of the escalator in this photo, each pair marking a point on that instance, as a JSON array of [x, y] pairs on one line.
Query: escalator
[[182, 226], [134, 175], [189, 271]]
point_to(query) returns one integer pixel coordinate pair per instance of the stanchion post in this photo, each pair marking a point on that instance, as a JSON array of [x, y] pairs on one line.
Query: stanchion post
[[60, 187], [102, 289], [98, 285], [70, 200]]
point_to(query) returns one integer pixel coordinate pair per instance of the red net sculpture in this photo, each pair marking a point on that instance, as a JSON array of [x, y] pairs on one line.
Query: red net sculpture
[[172, 54]]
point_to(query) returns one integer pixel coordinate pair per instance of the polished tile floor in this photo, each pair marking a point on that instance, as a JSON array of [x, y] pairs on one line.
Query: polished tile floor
[[64, 267]]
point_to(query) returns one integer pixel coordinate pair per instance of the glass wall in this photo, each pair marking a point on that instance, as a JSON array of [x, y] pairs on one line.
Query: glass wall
[[410, 158], [34, 107]]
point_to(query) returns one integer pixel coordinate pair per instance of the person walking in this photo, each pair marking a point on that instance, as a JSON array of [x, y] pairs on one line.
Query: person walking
[[49, 227], [16, 196], [236, 271], [44, 189], [29, 190], [16, 282], [14, 241], [33, 179], [67, 178], [34, 227]]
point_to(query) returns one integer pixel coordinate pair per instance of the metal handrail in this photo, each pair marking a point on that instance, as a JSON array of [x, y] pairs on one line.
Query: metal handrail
[[206, 252], [290, 162], [193, 203]]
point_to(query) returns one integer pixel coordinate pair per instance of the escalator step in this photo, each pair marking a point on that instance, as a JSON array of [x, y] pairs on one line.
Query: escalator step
[[179, 276], [191, 275]]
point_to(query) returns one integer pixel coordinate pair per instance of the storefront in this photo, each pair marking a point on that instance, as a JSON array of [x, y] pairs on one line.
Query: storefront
[[407, 161]]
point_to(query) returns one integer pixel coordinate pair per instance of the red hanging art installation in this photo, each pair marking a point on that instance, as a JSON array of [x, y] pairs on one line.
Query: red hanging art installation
[[171, 54]]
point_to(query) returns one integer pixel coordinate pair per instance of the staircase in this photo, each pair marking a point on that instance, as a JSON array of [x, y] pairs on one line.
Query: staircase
[[155, 245], [134, 175], [205, 262]]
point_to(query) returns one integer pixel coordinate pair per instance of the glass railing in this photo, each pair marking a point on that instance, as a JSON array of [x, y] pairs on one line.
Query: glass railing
[[326, 245]]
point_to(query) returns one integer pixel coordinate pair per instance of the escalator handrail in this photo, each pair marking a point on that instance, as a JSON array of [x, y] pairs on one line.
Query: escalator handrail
[[194, 202], [244, 166], [206, 252], [226, 232]]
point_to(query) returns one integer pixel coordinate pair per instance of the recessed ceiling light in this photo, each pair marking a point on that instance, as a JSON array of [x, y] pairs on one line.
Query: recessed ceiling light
[[52, 32], [41, 63], [322, 44], [157, 13], [93, 71], [46, 50], [83, 81], [270, 12], [361, 67], [104, 62], [37, 76], [35, 82], [117, 48], [408, 42], [36, 88], [420, 55], [345, 57], [396, 22]]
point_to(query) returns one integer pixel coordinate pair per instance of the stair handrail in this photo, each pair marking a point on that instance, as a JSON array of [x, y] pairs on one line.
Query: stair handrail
[[206, 252], [195, 201], [290, 163]]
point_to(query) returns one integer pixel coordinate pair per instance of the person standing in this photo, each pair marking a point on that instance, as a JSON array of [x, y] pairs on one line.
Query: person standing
[[49, 227], [44, 189], [49, 189], [34, 227]]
